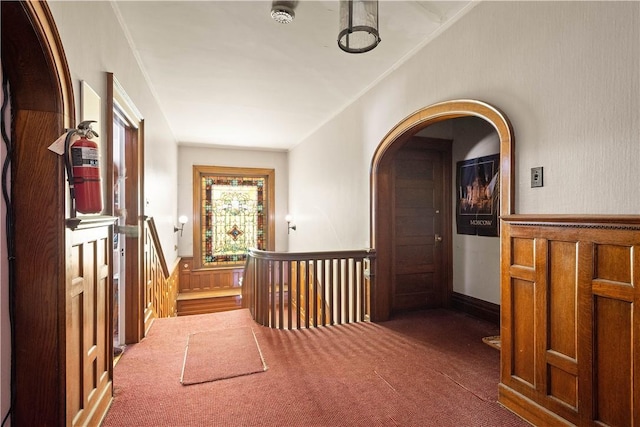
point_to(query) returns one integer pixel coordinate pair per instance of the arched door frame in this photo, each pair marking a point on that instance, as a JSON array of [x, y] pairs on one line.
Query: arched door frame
[[42, 107], [380, 209]]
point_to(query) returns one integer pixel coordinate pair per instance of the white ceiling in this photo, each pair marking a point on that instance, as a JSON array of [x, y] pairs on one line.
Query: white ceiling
[[226, 74]]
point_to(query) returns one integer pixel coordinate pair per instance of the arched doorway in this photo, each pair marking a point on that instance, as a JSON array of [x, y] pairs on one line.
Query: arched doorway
[[42, 107], [381, 211]]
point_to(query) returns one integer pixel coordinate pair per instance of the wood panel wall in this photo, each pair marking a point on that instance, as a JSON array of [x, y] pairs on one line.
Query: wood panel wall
[[204, 280], [89, 342], [570, 310], [208, 290]]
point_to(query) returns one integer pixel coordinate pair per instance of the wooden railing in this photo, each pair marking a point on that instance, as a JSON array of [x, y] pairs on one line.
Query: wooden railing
[[161, 285], [304, 290]]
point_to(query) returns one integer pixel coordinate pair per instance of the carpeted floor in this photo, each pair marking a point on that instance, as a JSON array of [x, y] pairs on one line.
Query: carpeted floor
[[221, 354], [426, 368]]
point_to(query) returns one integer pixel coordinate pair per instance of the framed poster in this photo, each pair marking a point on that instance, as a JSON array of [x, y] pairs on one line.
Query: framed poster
[[478, 198]]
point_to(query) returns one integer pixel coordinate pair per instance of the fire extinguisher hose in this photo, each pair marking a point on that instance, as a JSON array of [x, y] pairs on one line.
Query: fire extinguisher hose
[[67, 163]]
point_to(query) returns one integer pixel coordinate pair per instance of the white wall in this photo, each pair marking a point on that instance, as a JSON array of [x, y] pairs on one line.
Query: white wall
[[476, 259], [104, 48], [567, 74], [188, 156]]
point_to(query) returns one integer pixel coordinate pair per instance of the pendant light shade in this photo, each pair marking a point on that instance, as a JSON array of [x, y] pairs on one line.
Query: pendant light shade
[[358, 26]]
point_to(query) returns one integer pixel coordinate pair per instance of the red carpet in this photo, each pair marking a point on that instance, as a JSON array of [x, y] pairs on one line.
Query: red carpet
[[427, 368], [222, 354]]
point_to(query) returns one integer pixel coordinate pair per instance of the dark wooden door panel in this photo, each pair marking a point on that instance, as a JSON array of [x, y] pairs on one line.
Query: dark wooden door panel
[[418, 195], [415, 259]]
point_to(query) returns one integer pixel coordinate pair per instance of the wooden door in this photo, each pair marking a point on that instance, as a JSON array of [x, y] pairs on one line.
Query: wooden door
[[420, 225], [125, 118]]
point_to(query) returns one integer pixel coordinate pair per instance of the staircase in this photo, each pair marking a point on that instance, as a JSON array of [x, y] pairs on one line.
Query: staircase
[[208, 290]]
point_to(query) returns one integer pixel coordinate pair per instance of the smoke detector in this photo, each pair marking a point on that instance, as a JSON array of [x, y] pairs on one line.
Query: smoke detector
[[283, 12]]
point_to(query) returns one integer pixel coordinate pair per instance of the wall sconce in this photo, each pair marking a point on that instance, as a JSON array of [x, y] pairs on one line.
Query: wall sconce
[[182, 220], [290, 227]]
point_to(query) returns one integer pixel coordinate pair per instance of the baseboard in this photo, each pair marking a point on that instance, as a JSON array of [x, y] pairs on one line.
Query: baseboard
[[529, 410], [476, 307]]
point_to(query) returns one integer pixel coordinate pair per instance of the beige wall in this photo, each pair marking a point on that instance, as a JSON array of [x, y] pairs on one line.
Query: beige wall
[[476, 267], [105, 49], [476, 259], [565, 73], [188, 156]]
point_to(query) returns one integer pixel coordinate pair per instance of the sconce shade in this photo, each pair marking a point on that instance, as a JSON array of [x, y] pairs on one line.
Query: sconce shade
[[182, 220], [358, 26]]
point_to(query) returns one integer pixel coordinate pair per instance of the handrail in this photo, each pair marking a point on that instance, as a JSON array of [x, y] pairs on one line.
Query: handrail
[[296, 256], [153, 231], [292, 290]]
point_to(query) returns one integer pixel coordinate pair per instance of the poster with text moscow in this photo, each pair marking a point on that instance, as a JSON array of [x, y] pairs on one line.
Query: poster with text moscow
[[478, 195]]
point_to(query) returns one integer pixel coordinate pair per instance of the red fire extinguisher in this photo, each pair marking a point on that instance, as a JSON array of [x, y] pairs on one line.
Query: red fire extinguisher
[[84, 170]]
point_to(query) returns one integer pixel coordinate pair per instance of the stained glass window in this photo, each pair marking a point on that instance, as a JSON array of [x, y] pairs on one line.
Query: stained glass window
[[233, 216]]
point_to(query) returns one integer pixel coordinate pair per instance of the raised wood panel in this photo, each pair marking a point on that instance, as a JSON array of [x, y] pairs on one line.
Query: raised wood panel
[[613, 262], [613, 351], [88, 347], [522, 252], [208, 279], [563, 386], [411, 224], [412, 259], [209, 305], [584, 350], [522, 354], [416, 283], [562, 293]]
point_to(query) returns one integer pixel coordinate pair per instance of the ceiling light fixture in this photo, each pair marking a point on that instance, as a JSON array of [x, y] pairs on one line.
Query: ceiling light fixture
[[358, 26], [283, 12]]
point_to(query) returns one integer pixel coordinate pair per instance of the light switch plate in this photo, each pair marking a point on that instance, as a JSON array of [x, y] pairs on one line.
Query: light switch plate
[[536, 177]]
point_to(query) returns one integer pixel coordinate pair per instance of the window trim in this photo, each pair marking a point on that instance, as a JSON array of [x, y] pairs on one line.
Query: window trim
[[269, 177]]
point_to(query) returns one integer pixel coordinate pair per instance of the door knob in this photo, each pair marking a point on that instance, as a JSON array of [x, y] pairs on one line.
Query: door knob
[[438, 238]]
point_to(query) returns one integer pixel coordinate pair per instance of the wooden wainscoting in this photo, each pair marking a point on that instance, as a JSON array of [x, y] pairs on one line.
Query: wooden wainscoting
[[208, 290], [570, 310], [88, 344]]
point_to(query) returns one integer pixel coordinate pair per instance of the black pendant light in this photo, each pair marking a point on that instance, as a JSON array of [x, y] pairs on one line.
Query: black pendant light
[[358, 26]]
